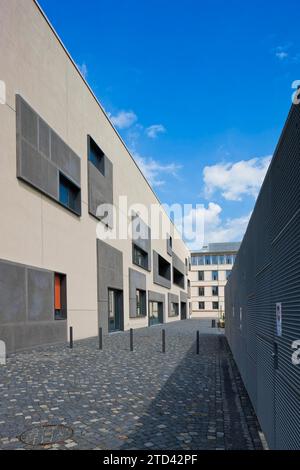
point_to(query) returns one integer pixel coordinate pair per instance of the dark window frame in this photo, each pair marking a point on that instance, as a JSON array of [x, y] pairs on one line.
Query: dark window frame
[[178, 278], [164, 268], [62, 314], [215, 291], [141, 304], [144, 256], [71, 199], [96, 155], [201, 289], [175, 310]]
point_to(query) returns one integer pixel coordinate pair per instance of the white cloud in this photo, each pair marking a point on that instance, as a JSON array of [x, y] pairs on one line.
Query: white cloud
[[83, 70], [281, 55], [154, 130], [235, 180], [210, 226], [153, 170], [124, 119], [287, 53]]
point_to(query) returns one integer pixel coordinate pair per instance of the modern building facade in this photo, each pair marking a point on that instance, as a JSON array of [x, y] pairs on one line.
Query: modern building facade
[[210, 270], [61, 159], [263, 296]]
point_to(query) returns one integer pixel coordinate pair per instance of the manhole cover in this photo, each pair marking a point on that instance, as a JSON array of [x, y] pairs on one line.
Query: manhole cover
[[46, 435]]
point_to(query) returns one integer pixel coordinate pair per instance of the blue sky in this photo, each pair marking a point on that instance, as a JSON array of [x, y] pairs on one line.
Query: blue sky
[[198, 90]]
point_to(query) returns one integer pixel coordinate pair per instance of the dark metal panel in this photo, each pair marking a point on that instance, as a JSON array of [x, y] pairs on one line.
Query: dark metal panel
[[266, 272]]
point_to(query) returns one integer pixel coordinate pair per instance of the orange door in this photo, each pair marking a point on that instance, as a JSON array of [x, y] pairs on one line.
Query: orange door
[[57, 292]]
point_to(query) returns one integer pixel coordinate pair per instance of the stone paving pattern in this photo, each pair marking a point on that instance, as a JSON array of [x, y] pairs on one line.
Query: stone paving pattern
[[117, 399]]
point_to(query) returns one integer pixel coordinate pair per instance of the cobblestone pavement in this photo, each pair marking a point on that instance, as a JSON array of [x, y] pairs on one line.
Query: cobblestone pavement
[[57, 398]]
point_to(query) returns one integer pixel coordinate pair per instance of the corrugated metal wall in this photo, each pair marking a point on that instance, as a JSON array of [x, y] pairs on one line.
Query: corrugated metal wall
[[267, 272]]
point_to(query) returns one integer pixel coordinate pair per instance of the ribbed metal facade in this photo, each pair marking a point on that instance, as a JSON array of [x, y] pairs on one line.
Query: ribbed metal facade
[[267, 272]]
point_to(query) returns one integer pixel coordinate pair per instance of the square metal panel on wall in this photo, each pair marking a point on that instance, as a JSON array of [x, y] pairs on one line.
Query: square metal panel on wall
[[42, 156]]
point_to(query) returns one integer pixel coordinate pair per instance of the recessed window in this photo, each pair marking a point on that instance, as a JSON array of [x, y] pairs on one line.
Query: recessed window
[[140, 257], [222, 259], [60, 300], [215, 291], [69, 194], [201, 306], [164, 268], [207, 259], [197, 260], [215, 305], [228, 259], [200, 275], [174, 312], [140, 303], [215, 276], [96, 156], [214, 259], [201, 292], [171, 242], [178, 278]]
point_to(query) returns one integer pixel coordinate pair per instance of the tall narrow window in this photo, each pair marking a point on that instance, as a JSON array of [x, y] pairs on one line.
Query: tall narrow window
[[140, 257], [207, 259], [60, 297], [140, 303], [201, 292], [215, 276], [174, 312], [201, 306], [200, 275], [69, 194], [96, 156], [215, 291]]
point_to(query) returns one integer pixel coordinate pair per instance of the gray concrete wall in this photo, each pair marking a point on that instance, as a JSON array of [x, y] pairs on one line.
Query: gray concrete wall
[[27, 307], [178, 264], [141, 237], [160, 298], [169, 247], [42, 154], [100, 187], [137, 280], [110, 276], [173, 298], [157, 279]]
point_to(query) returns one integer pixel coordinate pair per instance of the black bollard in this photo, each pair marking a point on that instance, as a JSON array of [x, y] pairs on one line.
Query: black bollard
[[213, 323], [131, 339], [198, 343], [100, 339], [71, 337], [163, 341]]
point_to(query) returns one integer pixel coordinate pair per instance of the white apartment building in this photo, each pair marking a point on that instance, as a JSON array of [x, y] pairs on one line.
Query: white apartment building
[[211, 267], [62, 159]]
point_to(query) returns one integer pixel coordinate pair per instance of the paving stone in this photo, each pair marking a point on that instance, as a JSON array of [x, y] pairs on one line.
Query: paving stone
[[117, 399]]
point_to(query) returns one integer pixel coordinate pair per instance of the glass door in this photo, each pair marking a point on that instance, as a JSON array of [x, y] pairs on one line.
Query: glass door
[[154, 313], [114, 310]]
